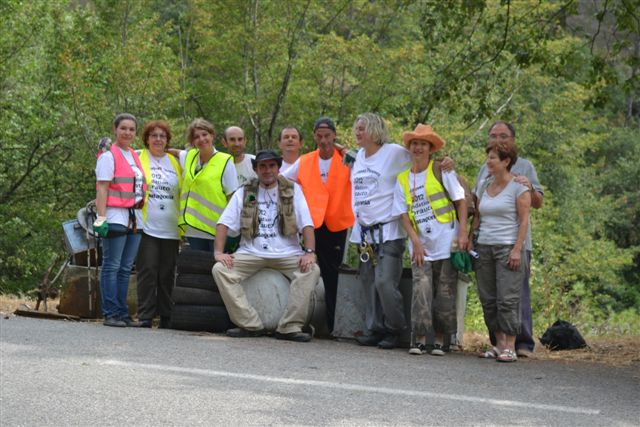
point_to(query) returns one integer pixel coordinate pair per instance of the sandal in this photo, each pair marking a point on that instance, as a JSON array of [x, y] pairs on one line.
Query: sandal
[[507, 356], [489, 354]]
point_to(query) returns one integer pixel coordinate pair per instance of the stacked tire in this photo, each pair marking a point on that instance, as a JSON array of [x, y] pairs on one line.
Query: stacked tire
[[198, 305]]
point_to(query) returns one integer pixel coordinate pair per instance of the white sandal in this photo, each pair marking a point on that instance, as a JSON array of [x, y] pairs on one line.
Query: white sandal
[[507, 356], [489, 354]]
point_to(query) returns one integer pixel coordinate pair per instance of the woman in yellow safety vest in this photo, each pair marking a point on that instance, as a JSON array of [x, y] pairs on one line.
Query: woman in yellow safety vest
[[210, 178], [158, 250]]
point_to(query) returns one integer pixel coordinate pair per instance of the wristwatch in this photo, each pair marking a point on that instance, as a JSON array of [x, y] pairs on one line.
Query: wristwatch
[[309, 250]]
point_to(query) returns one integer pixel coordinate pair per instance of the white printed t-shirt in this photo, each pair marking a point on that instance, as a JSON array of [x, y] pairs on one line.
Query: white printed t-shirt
[[245, 170], [105, 169], [268, 243], [373, 181], [436, 237], [163, 204], [229, 185]]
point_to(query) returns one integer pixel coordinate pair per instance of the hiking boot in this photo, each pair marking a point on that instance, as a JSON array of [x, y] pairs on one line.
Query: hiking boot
[[245, 333], [418, 349], [437, 350], [390, 341], [114, 321], [294, 336], [369, 340]]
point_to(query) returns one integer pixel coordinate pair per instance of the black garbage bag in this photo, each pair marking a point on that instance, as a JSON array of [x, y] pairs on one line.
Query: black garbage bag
[[562, 336]]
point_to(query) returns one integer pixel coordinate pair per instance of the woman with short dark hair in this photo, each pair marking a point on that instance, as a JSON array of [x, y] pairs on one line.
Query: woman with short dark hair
[[158, 251], [501, 221]]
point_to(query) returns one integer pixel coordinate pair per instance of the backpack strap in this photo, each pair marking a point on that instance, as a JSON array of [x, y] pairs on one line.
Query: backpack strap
[[485, 184]]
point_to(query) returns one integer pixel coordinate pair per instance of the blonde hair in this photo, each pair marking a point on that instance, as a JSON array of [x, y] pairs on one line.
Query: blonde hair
[[374, 126], [199, 123]]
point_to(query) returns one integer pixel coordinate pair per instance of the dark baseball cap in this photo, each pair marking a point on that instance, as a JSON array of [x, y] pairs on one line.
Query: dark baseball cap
[[324, 122], [266, 155]]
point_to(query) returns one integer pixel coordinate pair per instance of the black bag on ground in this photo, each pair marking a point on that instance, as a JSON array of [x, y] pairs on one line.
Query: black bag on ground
[[562, 336]]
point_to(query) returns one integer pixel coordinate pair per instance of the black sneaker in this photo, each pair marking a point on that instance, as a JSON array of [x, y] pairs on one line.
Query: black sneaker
[[245, 333], [129, 322], [294, 336], [114, 321], [145, 323], [418, 349], [437, 350], [390, 341], [369, 340]]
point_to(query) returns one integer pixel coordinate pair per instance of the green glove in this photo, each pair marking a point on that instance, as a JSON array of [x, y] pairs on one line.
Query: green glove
[[461, 261], [101, 226]]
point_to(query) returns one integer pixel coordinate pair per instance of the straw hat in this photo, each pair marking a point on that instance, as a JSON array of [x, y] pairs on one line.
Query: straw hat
[[424, 133]]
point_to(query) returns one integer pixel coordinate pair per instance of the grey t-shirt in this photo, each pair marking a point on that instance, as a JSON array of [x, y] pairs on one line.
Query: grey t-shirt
[[521, 167], [499, 215]]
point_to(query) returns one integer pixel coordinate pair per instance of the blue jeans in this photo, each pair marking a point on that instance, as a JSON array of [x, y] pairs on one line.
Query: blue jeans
[[200, 244], [118, 254]]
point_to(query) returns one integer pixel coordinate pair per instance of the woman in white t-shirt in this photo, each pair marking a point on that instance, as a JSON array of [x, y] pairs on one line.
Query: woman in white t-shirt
[[120, 191], [377, 230], [158, 251], [501, 220]]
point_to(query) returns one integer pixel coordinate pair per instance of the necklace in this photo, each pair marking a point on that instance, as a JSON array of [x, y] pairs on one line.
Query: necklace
[[413, 190], [415, 185], [271, 200]]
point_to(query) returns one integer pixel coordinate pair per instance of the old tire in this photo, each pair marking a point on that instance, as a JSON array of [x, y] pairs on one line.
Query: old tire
[[196, 281], [194, 296], [195, 262], [200, 318]]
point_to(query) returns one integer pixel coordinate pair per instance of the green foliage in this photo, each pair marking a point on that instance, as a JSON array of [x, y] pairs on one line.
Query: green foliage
[[566, 74]]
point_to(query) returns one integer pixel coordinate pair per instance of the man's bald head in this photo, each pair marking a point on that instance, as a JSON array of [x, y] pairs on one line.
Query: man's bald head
[[234, 141]]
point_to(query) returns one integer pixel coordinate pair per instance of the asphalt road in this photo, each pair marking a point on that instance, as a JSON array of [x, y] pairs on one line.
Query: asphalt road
[[64, 374]]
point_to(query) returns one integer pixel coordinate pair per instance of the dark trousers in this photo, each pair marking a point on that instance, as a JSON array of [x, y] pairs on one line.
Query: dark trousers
[[156, 264], [200, 244], [524, 339], [330, 250]]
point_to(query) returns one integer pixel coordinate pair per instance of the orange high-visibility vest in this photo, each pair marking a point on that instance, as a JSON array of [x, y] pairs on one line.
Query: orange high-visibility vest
[[329, 202], [122, 187]]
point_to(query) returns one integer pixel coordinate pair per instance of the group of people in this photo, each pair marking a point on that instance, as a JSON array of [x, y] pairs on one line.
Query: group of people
[[292, 213]]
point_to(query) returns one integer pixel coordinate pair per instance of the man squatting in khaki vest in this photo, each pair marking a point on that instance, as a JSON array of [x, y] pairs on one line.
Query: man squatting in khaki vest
[[327, 189], [268, 213]]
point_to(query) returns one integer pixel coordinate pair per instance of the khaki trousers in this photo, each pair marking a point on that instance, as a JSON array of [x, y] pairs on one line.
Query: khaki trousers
[[244, 266]]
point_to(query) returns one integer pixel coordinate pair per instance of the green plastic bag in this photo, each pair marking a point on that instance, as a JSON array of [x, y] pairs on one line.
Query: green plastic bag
[[461, 261]]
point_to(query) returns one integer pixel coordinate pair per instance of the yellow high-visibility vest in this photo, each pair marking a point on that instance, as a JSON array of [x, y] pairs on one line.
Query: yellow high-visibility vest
[[442, 207], [203, 199]]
